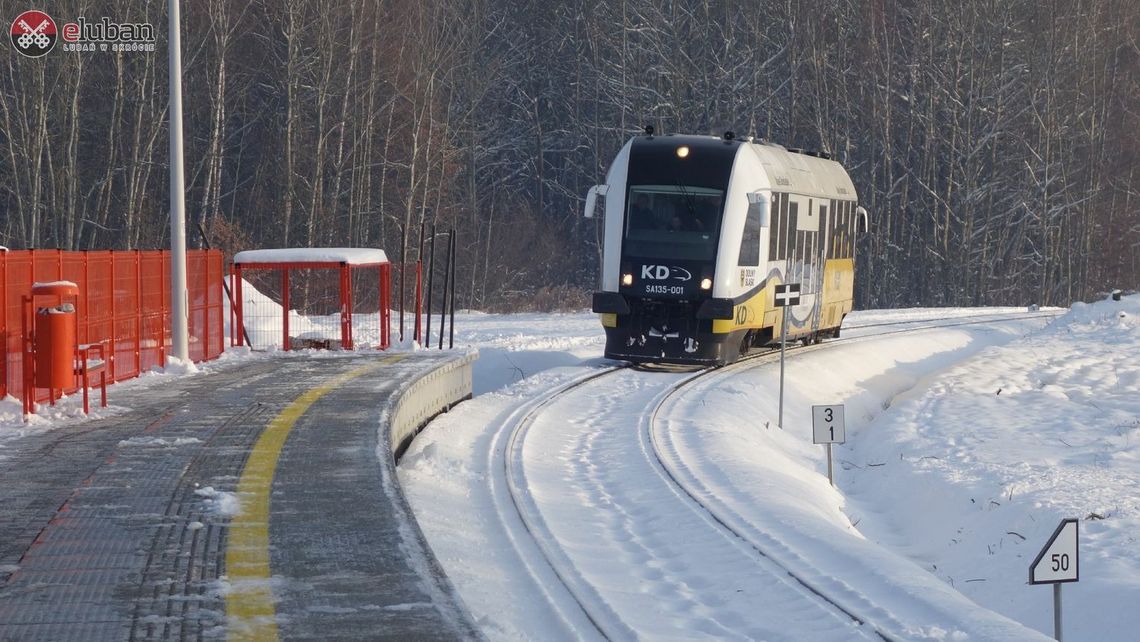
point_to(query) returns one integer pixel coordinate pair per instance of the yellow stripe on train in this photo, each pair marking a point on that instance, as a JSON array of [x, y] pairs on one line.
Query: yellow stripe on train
[[758, 311]]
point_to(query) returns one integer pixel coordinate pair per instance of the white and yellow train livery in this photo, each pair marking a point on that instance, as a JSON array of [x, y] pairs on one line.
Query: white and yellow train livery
[[699, 230]]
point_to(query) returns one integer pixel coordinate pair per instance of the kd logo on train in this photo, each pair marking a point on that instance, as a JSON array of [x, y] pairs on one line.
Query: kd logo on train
[[662, 272]]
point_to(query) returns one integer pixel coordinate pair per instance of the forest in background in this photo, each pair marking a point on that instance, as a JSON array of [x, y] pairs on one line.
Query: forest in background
[[994, 142]]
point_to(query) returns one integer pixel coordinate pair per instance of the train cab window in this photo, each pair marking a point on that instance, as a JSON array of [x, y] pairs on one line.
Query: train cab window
[[673, 221], [750, 241]]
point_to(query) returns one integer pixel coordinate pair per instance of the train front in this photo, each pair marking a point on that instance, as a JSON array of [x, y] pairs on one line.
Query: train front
[[656, 302]]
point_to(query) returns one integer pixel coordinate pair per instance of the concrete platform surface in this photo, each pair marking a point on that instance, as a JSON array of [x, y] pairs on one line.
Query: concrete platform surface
[[244, 503]]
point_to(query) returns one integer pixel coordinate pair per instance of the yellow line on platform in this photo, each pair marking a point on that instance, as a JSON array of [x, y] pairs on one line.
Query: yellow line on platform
[[250, 605]]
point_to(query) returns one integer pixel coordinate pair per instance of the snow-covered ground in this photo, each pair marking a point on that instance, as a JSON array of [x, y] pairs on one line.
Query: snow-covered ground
[[966, 445]]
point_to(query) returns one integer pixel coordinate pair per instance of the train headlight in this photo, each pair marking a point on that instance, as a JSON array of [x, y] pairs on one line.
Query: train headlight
[[706, 284], [627, 279], [683, 151]]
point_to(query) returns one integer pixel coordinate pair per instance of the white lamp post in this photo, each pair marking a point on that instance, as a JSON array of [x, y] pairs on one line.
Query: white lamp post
[[179, 302]]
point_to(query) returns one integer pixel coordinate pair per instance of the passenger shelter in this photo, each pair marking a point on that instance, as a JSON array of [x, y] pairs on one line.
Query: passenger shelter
[[348, 262]]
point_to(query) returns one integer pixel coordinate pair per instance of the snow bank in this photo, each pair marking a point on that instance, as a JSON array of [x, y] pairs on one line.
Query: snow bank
[[970, 477]]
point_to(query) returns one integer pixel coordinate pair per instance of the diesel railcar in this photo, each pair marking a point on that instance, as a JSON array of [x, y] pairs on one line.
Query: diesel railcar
[[698, 230]]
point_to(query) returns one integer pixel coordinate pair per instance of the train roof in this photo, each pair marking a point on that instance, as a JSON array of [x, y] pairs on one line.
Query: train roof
[[787, 170], [802, 173]]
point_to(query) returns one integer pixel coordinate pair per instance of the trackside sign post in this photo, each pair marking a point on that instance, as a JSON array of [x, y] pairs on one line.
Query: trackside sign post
[[827, 428], [1056, 564], [786, 295]]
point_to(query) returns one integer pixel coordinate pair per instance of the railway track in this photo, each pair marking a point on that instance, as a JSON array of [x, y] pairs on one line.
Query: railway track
[[766, 545], [581, 494]]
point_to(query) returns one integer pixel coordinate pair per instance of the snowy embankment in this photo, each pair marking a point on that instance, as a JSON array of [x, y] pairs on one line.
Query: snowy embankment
[[944, 486], [970, 474]]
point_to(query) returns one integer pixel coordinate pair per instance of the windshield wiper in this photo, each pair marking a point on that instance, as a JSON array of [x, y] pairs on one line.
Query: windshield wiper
[[689, 202]]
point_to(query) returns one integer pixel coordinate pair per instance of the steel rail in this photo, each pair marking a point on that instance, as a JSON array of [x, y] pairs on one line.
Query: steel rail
[[672, 476], [606, 623]]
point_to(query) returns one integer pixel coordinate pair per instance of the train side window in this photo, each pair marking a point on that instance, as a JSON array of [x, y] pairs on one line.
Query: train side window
[[828, 226], [776, 227], [802, 253], [844, 227], [782, 250], [805, 260], [794, 245], [840, 230], [823, 210], [840, 227], [854, 224], [812, 257], [837, 233], [832, 225], [750, 241], [793, 226], [848, 236]]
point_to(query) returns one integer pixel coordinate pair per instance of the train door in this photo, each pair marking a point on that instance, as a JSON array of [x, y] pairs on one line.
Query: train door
[[806, 267], [805, 242]]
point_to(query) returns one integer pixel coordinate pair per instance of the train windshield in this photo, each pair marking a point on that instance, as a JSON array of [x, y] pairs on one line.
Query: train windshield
[[673, 221]]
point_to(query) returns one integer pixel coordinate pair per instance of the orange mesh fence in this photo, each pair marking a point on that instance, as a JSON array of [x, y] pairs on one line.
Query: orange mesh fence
[[124, 300]]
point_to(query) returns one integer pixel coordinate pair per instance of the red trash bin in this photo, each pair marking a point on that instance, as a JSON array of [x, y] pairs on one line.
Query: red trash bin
[[55, 346]]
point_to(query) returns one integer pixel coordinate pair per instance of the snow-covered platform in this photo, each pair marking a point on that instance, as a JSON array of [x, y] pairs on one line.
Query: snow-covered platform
[[254, 501]]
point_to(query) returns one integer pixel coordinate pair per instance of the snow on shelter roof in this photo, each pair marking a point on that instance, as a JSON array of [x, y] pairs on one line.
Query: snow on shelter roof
[[350, 255]]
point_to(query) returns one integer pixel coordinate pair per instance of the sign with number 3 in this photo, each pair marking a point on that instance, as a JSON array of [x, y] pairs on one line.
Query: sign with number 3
[[827, 425]]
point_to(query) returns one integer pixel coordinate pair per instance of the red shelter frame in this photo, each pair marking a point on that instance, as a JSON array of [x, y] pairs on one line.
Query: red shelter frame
[[346, 260]]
